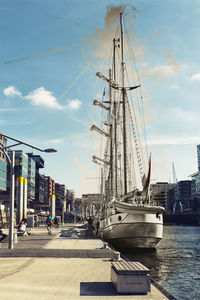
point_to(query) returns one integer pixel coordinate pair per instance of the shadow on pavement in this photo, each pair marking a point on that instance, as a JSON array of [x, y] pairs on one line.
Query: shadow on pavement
[[97, 289], [78, 233]]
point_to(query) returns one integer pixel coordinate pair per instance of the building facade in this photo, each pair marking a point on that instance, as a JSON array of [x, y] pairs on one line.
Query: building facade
[[31, 180], [90, 203], [162, 193], [195, 191], [3, 165], [39, 178], [49, 189], [21, 179], [195, 185], [49, 194], [184, 186], [21, 167], [198, 157], [60, 194]]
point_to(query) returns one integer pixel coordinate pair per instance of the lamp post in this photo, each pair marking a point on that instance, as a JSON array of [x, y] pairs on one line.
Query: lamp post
[[12, 179], [63, 213]]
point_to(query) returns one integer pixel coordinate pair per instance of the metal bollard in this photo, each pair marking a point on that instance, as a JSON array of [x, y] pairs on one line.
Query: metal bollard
[[15, 238], [117, 255], [105, 245]]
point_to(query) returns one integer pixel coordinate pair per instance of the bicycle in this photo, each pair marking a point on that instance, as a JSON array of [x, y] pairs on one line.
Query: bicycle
[[49, 229]]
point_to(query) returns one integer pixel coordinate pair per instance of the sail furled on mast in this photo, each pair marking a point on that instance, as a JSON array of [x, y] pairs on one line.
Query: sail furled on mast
[[146, 180]]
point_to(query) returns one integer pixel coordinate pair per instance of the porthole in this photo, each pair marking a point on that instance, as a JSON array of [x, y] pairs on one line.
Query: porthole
[[119, 218]]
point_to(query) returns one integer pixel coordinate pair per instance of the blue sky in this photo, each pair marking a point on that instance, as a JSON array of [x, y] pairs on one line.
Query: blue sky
[[49, 54]]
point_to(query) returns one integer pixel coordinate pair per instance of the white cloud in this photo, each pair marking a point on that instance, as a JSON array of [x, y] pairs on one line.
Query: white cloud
[[175, 86], [177, 117], [42, 97], [176, 127], [164, 70], [98, 96], [174, 140], [57, 141], [86, 185], [7, 109], [8, 123], [80, 121], [74, 104], [62, 139], [11, 91], [195, 77], [182, 117], [159, 72]]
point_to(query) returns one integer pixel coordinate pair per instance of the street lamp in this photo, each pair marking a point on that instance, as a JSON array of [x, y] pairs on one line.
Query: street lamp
[[49, 150], [12, 178]]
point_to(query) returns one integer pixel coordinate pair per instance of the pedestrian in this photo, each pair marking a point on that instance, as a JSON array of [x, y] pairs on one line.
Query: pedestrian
[[23, 229], [49, 222], [56, 222], [89, 222], [35, 221], [2, 235]]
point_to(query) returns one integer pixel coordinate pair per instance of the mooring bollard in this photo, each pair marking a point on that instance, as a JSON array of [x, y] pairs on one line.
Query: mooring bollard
[[117, 255], [105, 245]]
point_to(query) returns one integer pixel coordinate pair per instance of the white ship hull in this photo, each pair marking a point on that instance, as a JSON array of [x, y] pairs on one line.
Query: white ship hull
[[135, 229]]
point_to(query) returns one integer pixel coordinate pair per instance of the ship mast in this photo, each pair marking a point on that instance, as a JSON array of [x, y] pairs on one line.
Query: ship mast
[[111, 135], [115, 41], [124, 109]]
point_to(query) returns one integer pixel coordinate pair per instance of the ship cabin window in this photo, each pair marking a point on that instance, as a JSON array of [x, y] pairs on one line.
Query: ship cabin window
[[119, 218]]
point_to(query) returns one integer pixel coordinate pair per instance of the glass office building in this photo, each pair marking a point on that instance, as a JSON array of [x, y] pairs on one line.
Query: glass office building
[[31, 179], [3, 175], [3, 165], [195, 185], [39, 178], [21, 164]]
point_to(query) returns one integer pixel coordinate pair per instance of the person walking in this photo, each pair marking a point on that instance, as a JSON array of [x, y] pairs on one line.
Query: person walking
[[2, 235], [49, 222], [35, 221]]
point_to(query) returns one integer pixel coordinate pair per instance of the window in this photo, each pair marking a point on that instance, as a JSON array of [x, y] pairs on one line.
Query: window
[[5, 141]]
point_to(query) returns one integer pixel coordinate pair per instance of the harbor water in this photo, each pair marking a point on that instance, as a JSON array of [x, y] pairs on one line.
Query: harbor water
[[175, 265]]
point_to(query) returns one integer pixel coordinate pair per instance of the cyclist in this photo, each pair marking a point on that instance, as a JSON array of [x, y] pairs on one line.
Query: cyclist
[[49, 222]]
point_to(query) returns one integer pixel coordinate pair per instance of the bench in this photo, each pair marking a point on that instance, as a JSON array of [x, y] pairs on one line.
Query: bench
[[20, 233], [130, 277]]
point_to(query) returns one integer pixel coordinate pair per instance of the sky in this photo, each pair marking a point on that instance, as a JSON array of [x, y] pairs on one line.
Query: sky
[[50, 51]]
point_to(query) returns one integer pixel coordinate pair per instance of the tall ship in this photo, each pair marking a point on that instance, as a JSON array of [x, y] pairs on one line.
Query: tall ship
[[126, 218]]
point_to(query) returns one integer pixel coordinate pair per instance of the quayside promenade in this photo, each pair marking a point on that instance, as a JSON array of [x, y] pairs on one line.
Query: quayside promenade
[[69, 264]]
